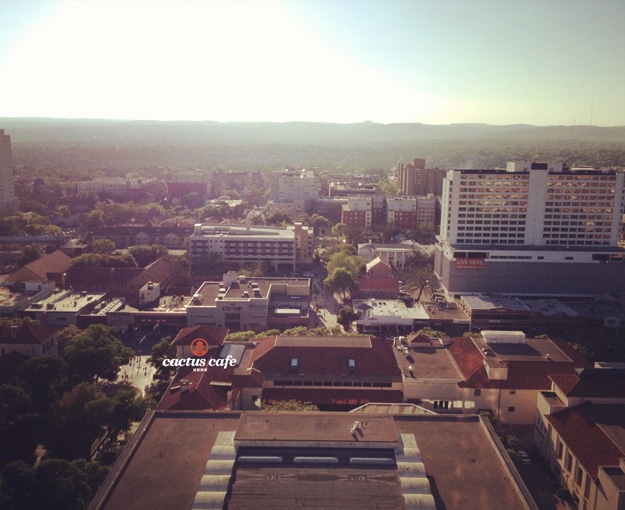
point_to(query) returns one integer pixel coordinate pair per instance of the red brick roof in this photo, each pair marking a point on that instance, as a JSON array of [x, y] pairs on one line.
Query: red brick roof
[[206, 390], [370, 283], [326, 355], [333, 396], [525, 374], [56, 262], [29, 334], [592, 382], [101, 275], [585, 438], [213, 335]]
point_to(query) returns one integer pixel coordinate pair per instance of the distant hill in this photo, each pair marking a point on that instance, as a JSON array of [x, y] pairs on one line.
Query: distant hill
[[120, 145], [93, 130]]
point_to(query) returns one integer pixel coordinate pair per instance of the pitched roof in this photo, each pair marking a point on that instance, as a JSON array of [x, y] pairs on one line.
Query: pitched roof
[[581, 428], [522, 374], [332, 396], [368, 282], [326, 356], [196, 391], [55, 262], [159, 270], [592, 382], [29, 334], [213, 335], [101, 275], [379, 264]]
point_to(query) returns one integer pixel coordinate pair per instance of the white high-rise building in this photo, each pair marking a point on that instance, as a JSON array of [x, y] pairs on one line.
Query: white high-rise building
[[536, 228], [7, 189]]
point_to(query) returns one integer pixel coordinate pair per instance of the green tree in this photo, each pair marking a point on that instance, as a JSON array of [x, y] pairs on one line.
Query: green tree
[[16, 484], [59, 484], [93, 219], [103, 246], [46, 378], [345, 317], [78, 418], [341, 281], [340, 230], [30, 253], [144, 254], [160, 351], [94, 353], [103, 260], [353, 264], [289, 405]]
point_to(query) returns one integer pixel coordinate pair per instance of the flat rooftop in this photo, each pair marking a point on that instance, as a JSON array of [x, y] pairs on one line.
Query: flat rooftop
[[430, 362], [533, 349], [209, 292], [163, 464]]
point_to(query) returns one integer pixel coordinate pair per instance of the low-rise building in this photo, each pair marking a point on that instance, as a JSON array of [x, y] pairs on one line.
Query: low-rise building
[[388, 316], [29, 339], [241, 303], [290, 247], [579, 433]]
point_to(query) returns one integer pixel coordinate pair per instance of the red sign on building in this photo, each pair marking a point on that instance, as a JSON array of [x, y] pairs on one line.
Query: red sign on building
[[469, 263]]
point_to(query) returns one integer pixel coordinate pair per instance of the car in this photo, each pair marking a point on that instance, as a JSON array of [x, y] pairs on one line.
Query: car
[[525, 458]]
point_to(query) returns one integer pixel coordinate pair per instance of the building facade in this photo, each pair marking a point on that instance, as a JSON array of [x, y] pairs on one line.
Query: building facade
[[533, 228], [7, 189], [291, 246]]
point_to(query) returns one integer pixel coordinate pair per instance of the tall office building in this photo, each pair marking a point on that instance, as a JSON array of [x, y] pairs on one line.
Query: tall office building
[[7, 190], [535, 228]]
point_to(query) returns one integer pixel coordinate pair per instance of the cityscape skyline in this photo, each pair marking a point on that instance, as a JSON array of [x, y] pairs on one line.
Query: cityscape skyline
[[547, 63]]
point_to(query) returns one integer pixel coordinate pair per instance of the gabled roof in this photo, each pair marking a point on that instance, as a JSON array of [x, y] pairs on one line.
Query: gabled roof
[[159, 270], [197, 391], [101, 275], [384, 283], [379, 264], [582, 429], [592, 382], [38, 270], [213, 335], [326, 356], [530, 375], [334, 396], [29, 334]]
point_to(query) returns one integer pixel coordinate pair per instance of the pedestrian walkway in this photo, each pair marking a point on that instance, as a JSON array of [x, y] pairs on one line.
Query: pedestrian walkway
[[138, 373]]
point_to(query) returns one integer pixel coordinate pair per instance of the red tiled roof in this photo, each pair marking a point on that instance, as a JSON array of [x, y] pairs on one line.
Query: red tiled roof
[[585, 438], [213, 335], [206, 390], [368, 283], [29, 334], [530, 375], [592, 382], [330, 356], [334, 396], [55, 262], [101, 275]]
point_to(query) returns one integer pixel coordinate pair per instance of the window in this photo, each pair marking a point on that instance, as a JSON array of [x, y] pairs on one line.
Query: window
[[578, 474], [568, 461], [477, 392], [351, 365], [559, 448], [511, 409], [512, 392], [294, 365]]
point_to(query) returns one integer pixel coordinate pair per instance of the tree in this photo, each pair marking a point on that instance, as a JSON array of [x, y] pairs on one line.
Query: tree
[[353, 264], [418, 271], [290, 405], [30, 253], [59, 484], [103, 246], [162, 350], [345, 317], [93, 219], [46, 378], [144, 254], [94, 353], [340, 230], [78, 418], [103, 260], [341, 281]]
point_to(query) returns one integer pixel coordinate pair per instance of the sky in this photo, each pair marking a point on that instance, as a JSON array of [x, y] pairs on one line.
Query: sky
[[541, 62]]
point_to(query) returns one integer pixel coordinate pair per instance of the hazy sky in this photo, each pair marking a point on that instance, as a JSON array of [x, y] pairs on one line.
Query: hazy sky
[[431, 61]]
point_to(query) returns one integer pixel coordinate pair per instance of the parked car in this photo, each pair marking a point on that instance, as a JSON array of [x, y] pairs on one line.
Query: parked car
[[525, 458]]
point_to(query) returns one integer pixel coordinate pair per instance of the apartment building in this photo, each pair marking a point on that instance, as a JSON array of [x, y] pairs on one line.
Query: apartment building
[[291, 246], [534, 228], [414, 179], [357, 212]]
